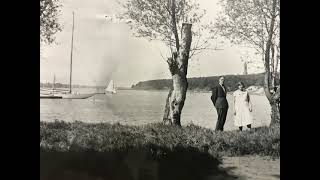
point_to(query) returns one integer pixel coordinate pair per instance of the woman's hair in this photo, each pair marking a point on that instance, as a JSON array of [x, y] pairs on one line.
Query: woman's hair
[[241, 83]]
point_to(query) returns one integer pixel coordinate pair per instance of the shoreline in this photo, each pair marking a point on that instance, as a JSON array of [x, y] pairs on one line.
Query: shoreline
[[194, 91], [159, 90]]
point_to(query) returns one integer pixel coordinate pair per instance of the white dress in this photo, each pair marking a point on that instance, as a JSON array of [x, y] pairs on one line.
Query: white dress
[[243, 116]]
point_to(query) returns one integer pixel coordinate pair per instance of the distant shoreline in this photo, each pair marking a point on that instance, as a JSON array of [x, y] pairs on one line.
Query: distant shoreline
[[158, 90], [194, 91]]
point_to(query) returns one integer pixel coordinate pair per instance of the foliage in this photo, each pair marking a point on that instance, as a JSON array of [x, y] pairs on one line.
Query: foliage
[[153, 20], [49, 25], [104, 137], [247, 22], [255, 23]]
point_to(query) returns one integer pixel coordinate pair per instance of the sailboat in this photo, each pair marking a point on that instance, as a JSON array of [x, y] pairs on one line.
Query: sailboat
[[69, 94], [50, 93], [111, 88]]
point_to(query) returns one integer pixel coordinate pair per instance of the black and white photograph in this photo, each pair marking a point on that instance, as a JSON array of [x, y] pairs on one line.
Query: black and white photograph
[[159, 89]]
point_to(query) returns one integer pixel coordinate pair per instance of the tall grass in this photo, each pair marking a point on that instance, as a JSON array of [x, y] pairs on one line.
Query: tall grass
[[60, 136]]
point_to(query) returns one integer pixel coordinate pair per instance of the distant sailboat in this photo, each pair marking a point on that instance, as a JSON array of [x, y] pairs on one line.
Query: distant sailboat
[[50, 93], [111, 88]]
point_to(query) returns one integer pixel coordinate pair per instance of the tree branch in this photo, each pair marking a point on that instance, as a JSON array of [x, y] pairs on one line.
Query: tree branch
[[267, 55], [174, 24]]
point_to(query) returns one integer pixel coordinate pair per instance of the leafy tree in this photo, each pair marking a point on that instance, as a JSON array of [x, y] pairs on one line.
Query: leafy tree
[[49, 26], [170, 21], [255, 23]]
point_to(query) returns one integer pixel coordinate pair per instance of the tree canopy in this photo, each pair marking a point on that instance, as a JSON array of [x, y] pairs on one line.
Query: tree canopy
[[157, 20], [255, 23], [248, 22], [49, 25]]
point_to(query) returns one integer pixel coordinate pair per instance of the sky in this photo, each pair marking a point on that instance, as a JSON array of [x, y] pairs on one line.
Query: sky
[[107, 50]]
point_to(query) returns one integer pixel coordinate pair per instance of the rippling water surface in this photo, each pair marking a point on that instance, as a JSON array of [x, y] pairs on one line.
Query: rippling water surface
[[135, 107]]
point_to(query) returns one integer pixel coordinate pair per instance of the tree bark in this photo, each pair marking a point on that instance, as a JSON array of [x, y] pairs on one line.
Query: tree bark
[[272, 64], [275, 114], [275, 107], [178, 66], [166, 115], [277, 58], [274, 110], [174, 24]]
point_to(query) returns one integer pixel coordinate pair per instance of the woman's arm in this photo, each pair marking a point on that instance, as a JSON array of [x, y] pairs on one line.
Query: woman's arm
[[249, 102], [234, 104]]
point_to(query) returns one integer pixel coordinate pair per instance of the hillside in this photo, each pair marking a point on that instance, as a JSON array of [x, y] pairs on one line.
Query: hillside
[[204, 83]]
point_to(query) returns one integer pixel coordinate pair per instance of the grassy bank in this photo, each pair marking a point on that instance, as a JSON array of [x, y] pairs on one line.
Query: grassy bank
[[157, 138], [80, 151]]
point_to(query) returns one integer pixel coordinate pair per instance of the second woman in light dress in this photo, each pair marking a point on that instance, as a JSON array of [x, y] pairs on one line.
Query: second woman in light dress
[[242, 107]]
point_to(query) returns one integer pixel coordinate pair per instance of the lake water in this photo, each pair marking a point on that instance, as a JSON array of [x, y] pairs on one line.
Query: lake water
[[138, 107]]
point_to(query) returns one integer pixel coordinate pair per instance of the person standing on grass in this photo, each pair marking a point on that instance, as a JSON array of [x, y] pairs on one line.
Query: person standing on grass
[[219, 100], [242, 107]]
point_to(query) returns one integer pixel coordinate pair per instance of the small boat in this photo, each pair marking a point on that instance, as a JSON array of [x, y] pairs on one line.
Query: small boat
[[76, 96], [64, 95], [111, 89], [50, 97], [50, 93]]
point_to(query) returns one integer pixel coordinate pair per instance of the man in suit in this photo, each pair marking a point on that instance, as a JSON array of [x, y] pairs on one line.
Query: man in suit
[[219, 100]]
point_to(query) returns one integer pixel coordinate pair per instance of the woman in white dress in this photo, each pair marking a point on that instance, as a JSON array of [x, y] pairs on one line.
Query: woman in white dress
[[242, 107]]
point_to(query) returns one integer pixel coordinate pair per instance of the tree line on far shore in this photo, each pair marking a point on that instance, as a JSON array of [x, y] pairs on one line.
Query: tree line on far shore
[[196, 83], [204, 83]]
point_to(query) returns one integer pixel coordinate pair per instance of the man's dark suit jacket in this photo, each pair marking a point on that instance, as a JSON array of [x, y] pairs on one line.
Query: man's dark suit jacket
[[218, 97]]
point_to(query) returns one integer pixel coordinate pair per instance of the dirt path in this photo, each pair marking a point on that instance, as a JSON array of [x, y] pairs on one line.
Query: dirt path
[[252, 167]]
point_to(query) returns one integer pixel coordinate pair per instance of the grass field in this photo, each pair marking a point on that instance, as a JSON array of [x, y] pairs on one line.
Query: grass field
[[158, 138], [82, 151]]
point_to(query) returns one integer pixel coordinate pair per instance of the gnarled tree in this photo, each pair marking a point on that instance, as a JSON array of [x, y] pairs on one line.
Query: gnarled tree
[[170, 21], [256, 23]]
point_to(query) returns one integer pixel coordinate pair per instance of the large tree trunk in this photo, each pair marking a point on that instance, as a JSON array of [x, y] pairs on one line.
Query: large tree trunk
[[267, 76], [277, 61], [166, 115], [272, 64], [275, 107], [178, 66], [274, 100], [174, 24]]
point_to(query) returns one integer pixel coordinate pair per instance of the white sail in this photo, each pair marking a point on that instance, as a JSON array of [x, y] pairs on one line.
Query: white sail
[[111, 87]]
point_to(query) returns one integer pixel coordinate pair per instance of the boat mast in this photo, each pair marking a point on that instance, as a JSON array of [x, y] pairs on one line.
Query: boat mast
[[54, 82], [70, 85]]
